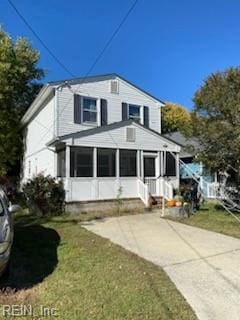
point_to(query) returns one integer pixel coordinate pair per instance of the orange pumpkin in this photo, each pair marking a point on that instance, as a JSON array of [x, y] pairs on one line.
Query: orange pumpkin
[[171, 203], [178, 203]]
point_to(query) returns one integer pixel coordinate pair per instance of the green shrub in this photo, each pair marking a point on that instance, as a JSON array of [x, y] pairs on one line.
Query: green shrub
[[44, 195]]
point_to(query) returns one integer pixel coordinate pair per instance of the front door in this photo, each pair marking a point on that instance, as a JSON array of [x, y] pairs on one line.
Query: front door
[[149, 171]]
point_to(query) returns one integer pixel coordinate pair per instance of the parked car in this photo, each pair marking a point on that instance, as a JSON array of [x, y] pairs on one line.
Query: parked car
[[6, 231]]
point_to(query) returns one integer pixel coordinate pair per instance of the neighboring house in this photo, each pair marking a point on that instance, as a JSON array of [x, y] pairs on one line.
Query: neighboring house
[[189, 166], [102, 136]]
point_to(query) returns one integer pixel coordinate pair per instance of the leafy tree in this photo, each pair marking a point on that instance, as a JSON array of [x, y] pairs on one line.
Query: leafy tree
[[216, 120], [175, 118], [19, 76]]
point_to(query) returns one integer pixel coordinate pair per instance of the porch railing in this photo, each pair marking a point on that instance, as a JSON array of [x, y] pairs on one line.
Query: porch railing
[[209, 190], [213, 190], [152, 185], [166, 188], [143, 191], [156, 187]]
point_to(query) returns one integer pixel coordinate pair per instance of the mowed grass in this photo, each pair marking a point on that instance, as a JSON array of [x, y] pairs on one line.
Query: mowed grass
[[212, 217], [57, 263]]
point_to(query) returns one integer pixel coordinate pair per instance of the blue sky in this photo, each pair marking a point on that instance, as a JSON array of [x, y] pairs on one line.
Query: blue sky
[[166, 47]]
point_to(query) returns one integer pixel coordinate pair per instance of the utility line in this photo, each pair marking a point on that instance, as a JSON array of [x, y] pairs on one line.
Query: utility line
[[116, 31], [93, 64], [112, 37], [60, 63]]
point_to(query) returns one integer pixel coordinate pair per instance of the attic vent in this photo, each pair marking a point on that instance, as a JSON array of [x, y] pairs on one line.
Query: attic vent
[[114, 86], [131, 134]]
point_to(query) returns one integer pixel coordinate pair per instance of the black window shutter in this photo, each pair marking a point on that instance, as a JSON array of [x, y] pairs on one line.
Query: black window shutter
[[77, 109], [146, 116], [124, 111], [104, 112]]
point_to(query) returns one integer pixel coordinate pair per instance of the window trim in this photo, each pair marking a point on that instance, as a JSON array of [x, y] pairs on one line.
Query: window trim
[[86, 110], [132, 117]]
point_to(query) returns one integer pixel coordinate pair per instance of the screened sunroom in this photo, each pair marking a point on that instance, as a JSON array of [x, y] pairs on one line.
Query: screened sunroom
[[92, 173], [100, 163]]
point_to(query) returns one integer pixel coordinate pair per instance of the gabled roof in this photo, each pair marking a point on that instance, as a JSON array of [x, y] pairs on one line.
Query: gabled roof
[[49, 87], [115, 125], [97, 78], [185, 142]]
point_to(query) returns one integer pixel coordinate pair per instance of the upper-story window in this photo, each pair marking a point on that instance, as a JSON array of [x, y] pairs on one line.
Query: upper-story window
[[134, 112], [89, 109]]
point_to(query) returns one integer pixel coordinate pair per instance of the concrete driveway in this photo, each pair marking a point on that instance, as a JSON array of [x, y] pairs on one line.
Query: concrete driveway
[[205, 266]]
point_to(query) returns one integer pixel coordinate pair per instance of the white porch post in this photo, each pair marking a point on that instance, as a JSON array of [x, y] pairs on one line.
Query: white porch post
[[117, 164], [94, 162], [138, 163], [158, 172], [158, 166], [68, 182], [142, 164], [67, 161], [117, 170], [95, 191]]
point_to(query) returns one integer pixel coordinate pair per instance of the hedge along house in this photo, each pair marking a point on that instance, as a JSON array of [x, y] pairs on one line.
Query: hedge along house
[[102, 136]]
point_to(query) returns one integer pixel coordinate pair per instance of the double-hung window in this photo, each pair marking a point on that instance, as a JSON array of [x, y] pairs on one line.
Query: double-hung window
[[89, 109], [134, 112]]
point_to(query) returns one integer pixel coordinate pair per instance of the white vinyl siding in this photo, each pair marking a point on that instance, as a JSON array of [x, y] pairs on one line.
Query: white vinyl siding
[[37, 157], [116, 138], [100, 90]]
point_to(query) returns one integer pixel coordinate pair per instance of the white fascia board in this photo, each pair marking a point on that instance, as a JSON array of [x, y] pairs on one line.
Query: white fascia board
[[178, 147], [36, 104], [160, 104]]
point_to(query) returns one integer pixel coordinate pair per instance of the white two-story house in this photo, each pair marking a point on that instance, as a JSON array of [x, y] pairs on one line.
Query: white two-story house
[[102, 136]]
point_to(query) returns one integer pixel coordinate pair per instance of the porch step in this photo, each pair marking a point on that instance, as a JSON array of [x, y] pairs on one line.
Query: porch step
[[158, 205]]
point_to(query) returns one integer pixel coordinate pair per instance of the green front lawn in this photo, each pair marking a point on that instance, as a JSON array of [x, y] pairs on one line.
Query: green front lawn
[[214, 218], [59, 264]]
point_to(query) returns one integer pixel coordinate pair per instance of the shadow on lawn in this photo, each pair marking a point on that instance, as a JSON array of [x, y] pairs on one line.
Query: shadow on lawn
[[34, 254]]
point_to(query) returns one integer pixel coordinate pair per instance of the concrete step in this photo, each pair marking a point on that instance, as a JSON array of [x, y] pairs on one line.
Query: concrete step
[[159, 203]]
